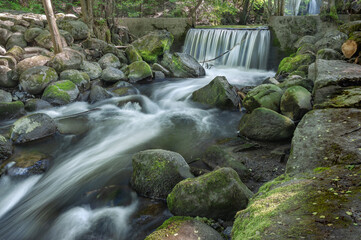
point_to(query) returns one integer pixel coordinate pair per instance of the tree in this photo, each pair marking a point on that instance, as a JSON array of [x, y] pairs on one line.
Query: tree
[[54, 31], [87, 13]]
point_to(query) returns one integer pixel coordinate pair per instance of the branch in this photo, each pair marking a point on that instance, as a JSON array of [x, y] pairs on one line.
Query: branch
[[228, 51]]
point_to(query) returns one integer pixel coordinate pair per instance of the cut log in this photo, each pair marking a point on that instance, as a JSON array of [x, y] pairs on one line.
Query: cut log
[[349, 48]]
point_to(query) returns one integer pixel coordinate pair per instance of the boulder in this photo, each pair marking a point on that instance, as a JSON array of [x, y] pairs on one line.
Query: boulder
[[184, 228], [35, 51], [296, 81], [218, 93], [31, 62], [266, 125], [111, 74], [27, 164], [44, 40], [32, 127], [80, 79], [158, 75], [218, 194], [5, 96], [31, 33], [98, 93], [350, 27], [68, 59], [333, 40], [36, 79], [290, 64], [2, 50], [16, 39], [139, 71], [18, 28], [154, 45], [6, 149], [93, 69], [158, 67], [133, 54], [109, 60], [305, 40], [9, 61], [156, 172], [78, 29], [36, 104], [122, 88], [324, 138], [11, 110], [328, 54], [4, 36], [182, 65], [16, 52], [306, 48], [265, 95], [6, 77], [67, 36], [61, 93], [346, 98], [296, 102]]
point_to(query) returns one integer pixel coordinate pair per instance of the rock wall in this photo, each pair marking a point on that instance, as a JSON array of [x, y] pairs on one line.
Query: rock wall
[[142, 26]]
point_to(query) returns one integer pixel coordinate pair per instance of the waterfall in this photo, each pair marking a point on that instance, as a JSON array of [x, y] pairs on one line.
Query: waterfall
[[292, 7], [313, 8], [249, 49]]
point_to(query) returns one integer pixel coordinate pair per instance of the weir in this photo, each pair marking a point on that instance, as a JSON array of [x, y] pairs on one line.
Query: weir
[[245, 48]]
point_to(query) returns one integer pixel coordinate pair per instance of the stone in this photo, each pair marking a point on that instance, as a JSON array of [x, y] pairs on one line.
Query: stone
[[68, 59], [11, 110], [36, 79], [31, 33], [4, 36], [158, 75], [32, 127], [77, 29], [16, 39], [156, 172], [31, 62], [28, 164], [109, 60], [5, 96], [80, 79], [10, 61], [324, 138], [328, 54], [154, 45], [347, 98], [6, 149], [264, 95], [218, 93], [305, 40], [44, 40], [6, 78], [182, 65], [36, 104], [133, 54], [306, 48], [35, 51], [18, 28], [264, 124], [111, 74], [16, 52], [271, 80], [93, 69], [61, 93], [296, 102], [67, 36], [290, 64], [296, 81], [98, 93], [2, 50], [122, 88], [333, 40], [218, 194], [158, 67], [139, 71], [350, 27]]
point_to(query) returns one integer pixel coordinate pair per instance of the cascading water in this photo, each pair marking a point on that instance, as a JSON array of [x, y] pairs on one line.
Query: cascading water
[[313, 7], [248, 49], [292, 7]]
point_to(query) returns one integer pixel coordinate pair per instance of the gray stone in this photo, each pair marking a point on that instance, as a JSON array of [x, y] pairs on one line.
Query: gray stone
[[6, 77], [109, 60], [296, 102], [36, 104], [98, 93], [36, 79], [77, 29], [4, 36], [139, 71], [111, 74], [333, 40], [31, 33], [5, 96], [306, 39], [68, 59], [158, 75], [328, 54], [6, 149], [35, 61], [93, 69], [182, 65], [16, 39], [265, 95], [11, 110], [158, 67], [297, 81]]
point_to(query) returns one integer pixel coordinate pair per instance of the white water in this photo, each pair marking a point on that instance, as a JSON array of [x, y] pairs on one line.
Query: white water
[[250, 48], [313, 8], [292, 7]]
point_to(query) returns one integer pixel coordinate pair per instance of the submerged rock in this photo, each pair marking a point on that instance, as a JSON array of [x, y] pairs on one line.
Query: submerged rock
[[6, 149], [182, 65], [296, 102], [122, 88], [61, 93], [218, 194], [156, 172], [33, 105], [36, 79], [139, 71], [265, 95], [27, 164], [11, 110]]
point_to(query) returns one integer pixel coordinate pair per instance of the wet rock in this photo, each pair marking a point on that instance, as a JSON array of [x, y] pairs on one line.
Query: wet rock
[[297, 81], [333, 40], [133, 54], [265, 95], [33, 105], [4, 36], [266, 125], [122, 88], [32, 127], [98, 93], [290, 64], [36, 79], [11, 110], [139, 71], [31, 62], [6, 77], [328, 54], [218, 194], [111, 74], [156, 172], [158, 67], [218, 93], [158, 75], [28, 164], [296, 102], [184, 228], [109, 60], [78, 29], [5, 96], [6, 149], [16, 39], [68, 59], [93, 69], [61, 93], [31, 33], [80, 79], [182, 65]]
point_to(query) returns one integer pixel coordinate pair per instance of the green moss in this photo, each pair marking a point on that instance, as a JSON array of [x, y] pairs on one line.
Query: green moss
[[298, 73], [290, 64], [168, 228], [11, 110], [121, 91], [54, 92], [65, 85]]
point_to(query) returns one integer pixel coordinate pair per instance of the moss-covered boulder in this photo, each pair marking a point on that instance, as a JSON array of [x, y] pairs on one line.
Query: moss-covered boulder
[[36, 79], [28, 164], [333, 40], [93, 69], [182, 65], [218, 93], [5, 34], [61, 93], [16, 52], [154, 45], [123, 88], [156, 172], [350, 27], [78, 29], [97, 93], [44, 40], [6, 77], [109, 60], [31, 33], [218, 194], [184, 228], [264, 124], [112, 75], [347, 98], [6, 149], [296, 102], [32, 105], [32, 127], [5, 96], [290, 64], [305, 40], [31, 62], [328, 54], [80, 79], [139, 71], [16, 39], [325, 138], [133, 54], [68, 59], [291, 81], [265, 95]]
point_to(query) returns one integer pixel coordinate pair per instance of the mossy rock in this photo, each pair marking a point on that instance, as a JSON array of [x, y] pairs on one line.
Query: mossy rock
[[31, 33], [78, 29], [67, 59], [16, 39], [34, 80], [296, 80], [6, 149], [182, 65], [80, 79], [11, 110], [347, 98], [16, 52], [290, 64], [298, 73], [350, 27], [218, 194], [28, 164], [123, 88], [264, 95], [356, 36], [93, 69], [328, 54], [306, 48], [44, 40], [31, 62], [139, 71], [296, 102], [36, 104], [218, 93], [61, 93], [133, 54], [109, 60], [305, 40]]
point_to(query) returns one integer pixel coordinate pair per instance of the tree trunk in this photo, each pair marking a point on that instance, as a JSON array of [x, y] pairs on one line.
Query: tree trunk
[[349, 48], [243, 16], [87, 13], [192, 12], [54, 31]]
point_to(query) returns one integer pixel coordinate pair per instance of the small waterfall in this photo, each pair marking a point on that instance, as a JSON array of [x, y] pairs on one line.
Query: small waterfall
[[248, 48], [313, 8], [292, 7]]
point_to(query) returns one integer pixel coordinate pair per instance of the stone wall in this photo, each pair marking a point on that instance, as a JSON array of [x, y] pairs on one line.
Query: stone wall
[[141, 26]]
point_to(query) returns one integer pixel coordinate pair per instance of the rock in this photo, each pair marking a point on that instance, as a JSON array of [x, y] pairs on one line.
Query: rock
[[218, 194], [6, 149], [95, 44], [158, 75], [111, 74], [5, 96], [218, 93], [132, 54], [297, 73], [32, 127], [271, 81], [350, 27], [93, 69], [4, 36], [296, 102], [28, 164], [158, 67], [31, 62], [98, 93], [347, 98], [33, 105], [10, 61], [36, 79], [306, 48], [109, 60], [290, 64], [328, 54], [139, 71], [182, 65], [265, 95], [80, 79], [333, 40], [297, 81], [185, 228], [6, 24], [122, 88], [266, 125], [68, 59], [77, 29], [16, 39], [67, 36], [156, 172], [154, 45], [44, 40], [35, 51], [61, 93], [11, 110], [16, 52], [31, 33], [2, 50], [18, 28], [325, 138], [305, 40], [6, 77]]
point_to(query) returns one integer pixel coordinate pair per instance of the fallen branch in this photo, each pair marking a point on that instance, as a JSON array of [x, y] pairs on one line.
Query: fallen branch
[[228, 51]]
